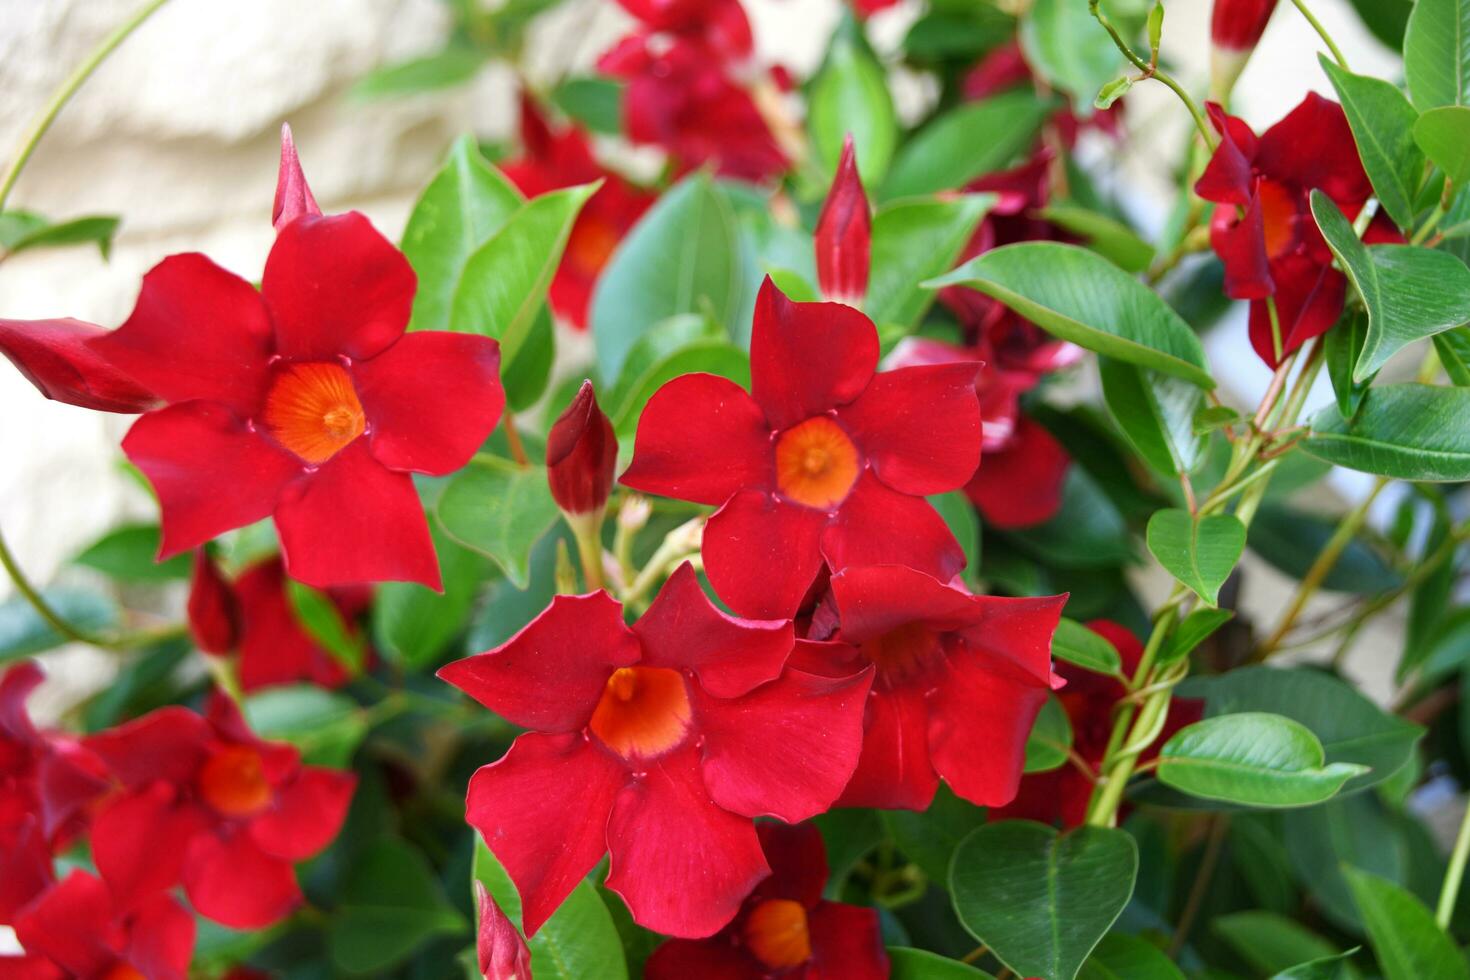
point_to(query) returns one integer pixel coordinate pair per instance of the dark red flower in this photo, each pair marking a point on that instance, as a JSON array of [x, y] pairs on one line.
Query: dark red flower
[[54, 356], [293, 196], [304, 401], [214, 611], [202, 800], [77, 930], [499, 947], [960, 679], [720, 25], [581, 455], [551, 161], [844, 234], [1020, 485], [823, 460], [1263, 229], [658, 743], [785, 929], [274, 647], [1236, 25]]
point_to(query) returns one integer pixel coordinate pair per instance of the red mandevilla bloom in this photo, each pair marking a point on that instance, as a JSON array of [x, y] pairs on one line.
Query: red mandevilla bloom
[[785, 928], [658, 743], [960, 679], [844, 234], [1263, 229], [581, 455], [499, 947], [203, 800], [54, 356], [214, 610], [823, 460], [78, 929]]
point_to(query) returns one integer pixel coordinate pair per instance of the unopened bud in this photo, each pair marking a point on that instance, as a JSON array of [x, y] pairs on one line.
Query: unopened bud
[[214, 610], [581, 455], [634, 513], [502, 953], [844, 237], [293, 196], [1235, 29]]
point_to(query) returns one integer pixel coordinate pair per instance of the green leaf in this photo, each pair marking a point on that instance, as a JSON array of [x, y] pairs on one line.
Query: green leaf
[[850, 834], [1291, 539], [959, 515], [412, 624], [1351, 728], [681, 257], [1041, 900], [1337, 967], [1197, 627], [578, 941], [504, 282], [1444, 136], [1407, 432], [930, 838], [1254, 759], [1155, 413], [1342, 346], [324, 725], [1087, 531], [430, 73], [1076, 644], [1454, 353], [1437, 54], [23, 230], [1105, 235], [1050, 738], [1066, 46], [390, 905], [1124, 957], [1080, 296], [318, 615], [1321, 841], [966, 142], [1410, 292], [1403, 934], [913, 241], [1386, 19], [499, 509], [466, 203], [526, 377], [850, 95], [682, 345], [920, 964], [1383, 125], [1270, 942], [127, 553], [595, 103], [1112, 92], [1200, 553]]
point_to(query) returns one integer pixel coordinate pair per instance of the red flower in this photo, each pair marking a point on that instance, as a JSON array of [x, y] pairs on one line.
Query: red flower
[[581, 455], [1236, 25], [501, 950], [54, 356], [202, 800], [77, 929], [1263, 229], [959, 681], [824, 460], [274, 647], [785, 928], [720, 25], [1061, 795], [555, 160], [214, 611], [844, 235], [659, 743], [304, 401], [1021, 484]]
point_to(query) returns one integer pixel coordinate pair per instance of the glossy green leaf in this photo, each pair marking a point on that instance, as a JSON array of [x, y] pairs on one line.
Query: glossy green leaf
[[1076, 644], [850, 95], [920, 964], [966, 142], [1341, 347], [959, 515], [681, 345], [319, 616], [913, 241], [1254, 759], [681, 257], [1444, 136], [1039, 899], [1437, 54], [444, 69], [413, 624], [390, 905], [21, 231], [1201, 552], [1403, 934], [1270, 942], [1407, 432], [1105, 235], [1383, 125], [1087, 531], [1123, 957], [929, 838], [128, 553], [325, 725], [499, 509], [23, 631], [525, 378], [1080, 296], [1155, 413], [850, 835], [1050, 737], [466, 203], [1453, 347], [1337, 967], [595, 103], [1410, 292], [1386, 19], [1067, 47], [1197, 627], [504, 282]]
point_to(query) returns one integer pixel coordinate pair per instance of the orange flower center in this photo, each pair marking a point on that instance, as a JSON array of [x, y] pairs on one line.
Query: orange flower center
[[123, 971], [591, 243], [644, 711], [312, 410], [1278, 215], [776, 933], [816, 463], [233, 782]]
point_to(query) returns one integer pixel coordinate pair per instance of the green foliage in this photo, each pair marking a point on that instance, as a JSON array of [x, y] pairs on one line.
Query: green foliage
[[966, 142], [1201, 552], [1407, 431], [1252, 758], [500, 510], [391, 905], [850, 95], [1079, 645], [21, 231]]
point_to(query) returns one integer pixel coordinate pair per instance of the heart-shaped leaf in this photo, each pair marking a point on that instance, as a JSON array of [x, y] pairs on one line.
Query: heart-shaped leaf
[[1201, 553]]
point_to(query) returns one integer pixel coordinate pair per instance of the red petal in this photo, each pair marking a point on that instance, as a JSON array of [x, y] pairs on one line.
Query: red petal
[[169, 744], [551, 674], [543, 811], [232, 881], [214, 612], [730, 656], [682, 863], [1309, 299], [1241, 244], [581, 455], [162, 940], [880, 526], [844, 234], [919, 427], [307, 814], [1229, 177], [760, 553], [211, 473], [1238, 24], [894, 771], [293, 196], [197, 331], [807, 358], [712, 959], [1124, 640], [431, 400], [355, 520], [54, 356], [16, 685], [1060, 796], [798, 860], [876, 599], [1021, 485], [335, 286], [1312, 147], [499, 947], [847, 943], [274, 649], [139, 840], [25, 867], [786, 749], [701, 438], [69, 925]]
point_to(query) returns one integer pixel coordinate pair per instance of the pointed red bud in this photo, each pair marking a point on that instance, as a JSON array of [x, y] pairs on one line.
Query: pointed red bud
[[293, 196], [581, 454], [55, 356], [214, 610], [502, 951], [1235, 28], [844, 236]]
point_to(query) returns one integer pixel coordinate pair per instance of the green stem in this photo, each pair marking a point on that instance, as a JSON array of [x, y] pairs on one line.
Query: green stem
[[38, 602], [69, 88], [1154, 72], [1322, 33], [1453, 875]]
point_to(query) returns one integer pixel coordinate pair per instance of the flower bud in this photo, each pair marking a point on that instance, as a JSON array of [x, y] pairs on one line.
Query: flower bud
[[581, 454], [844, 235], [58, 358], [1235, 28], [502, 952], [214, 609], [293, 196]]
